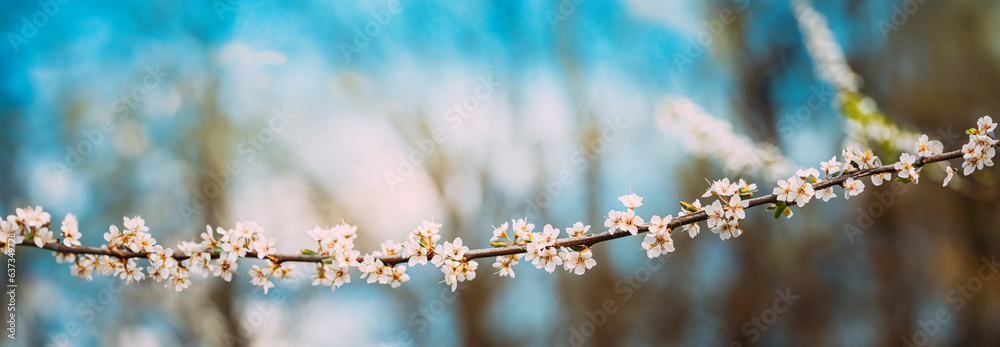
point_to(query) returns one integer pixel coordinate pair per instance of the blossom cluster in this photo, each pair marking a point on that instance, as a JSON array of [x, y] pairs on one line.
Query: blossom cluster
[[542, 249], [725, 213], [980, 149]]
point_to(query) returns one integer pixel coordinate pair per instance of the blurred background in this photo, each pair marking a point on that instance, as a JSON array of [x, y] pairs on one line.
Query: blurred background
[[385, 113]]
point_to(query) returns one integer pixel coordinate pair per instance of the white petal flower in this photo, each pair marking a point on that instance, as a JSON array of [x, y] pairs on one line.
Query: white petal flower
[[613, 220], [743, 185], [578, 262], [33, 218], [691, 228], [70, 230], [927, 148], [523, 229], [630, 222], [577, 230], [500, 233], [44, 236], [180, 281], [804, 173], [729, 229], [716, 214], [736, 206], [985, 125], [450, 277], [136, 224], [548, 258], [260, 279], [398, 276], [825, 194], [225, 269], [631, 201], [340, 275], [505, 265], [804, 192], [82, 270], [390, 247], [131, 272], [878, 179], [831, 167], [548, 236], [853, 187], [657, 244], [721, 188], [659, 225], [906, 169], [783, 191], [263, 247]]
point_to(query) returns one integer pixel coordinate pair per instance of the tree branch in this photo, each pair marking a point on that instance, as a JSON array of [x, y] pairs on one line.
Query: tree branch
[[586, 240]]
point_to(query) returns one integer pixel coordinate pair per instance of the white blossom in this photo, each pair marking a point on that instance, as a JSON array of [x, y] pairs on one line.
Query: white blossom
[[449, 251], [578, 262], [853, 187], [500, 233], [729, 229], [523, 229], [721, 188], [131, 272], [691, 228], [43, 236], [736, 206], [225, 269], [831, 167], [716, 214], [985, 125], [577, 230], [179, 280], [33, 218], [70, 230], [906, 169], [825, 194], [927, 148], [505, 265], [656, 244], [878, 178], [548, 258], [398, 276], [260, 279], [659, 225], [631, 200]]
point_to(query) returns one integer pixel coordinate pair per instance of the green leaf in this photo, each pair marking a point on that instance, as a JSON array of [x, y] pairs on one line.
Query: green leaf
[[578, 248], [812, 179], [328, 261], [904, 180], [855, 164], [779, 208], [217, 250], [423, 242], [688, 207], [771, 207], [499, 243], [29, 237], [971, 131], [308, 252]]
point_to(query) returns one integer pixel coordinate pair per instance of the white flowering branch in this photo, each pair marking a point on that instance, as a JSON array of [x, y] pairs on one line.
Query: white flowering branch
[[335, 253]]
